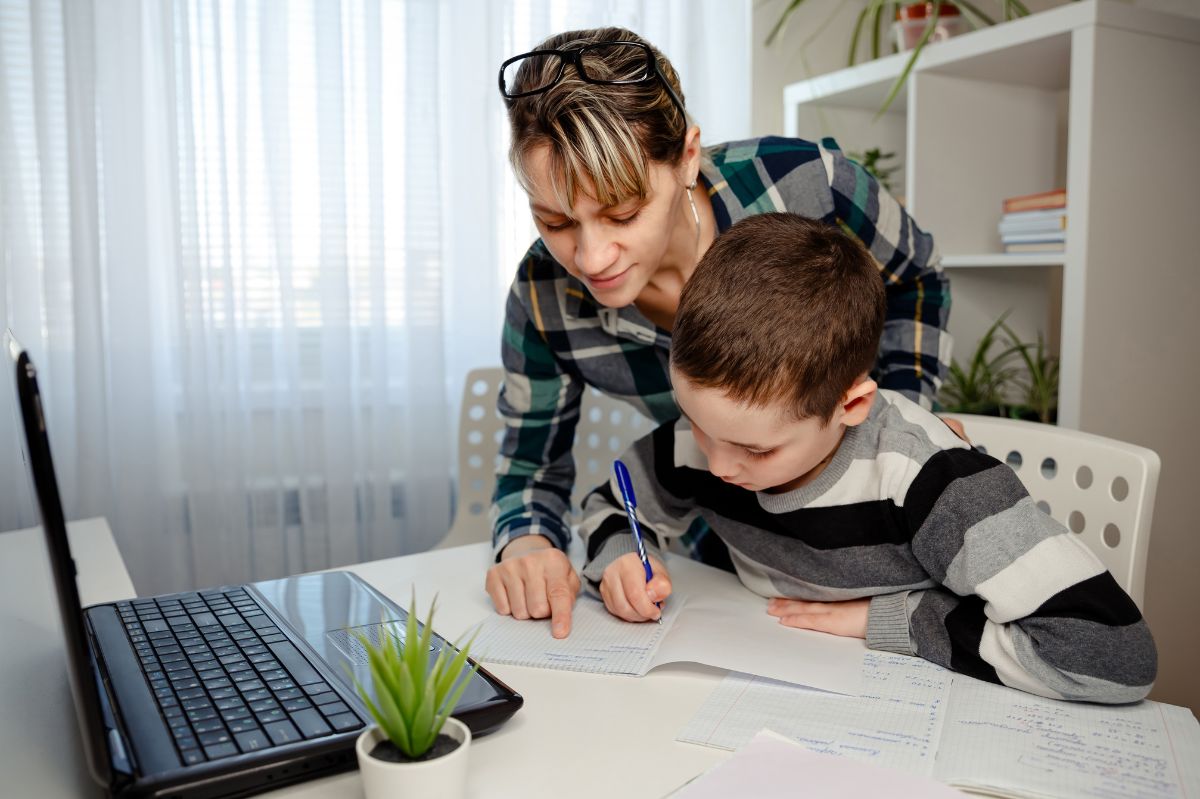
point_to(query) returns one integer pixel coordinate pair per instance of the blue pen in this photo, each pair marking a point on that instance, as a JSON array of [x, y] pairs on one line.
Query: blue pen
[[626, 486]]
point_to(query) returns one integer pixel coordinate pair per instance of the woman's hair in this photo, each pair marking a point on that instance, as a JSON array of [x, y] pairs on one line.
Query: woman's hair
[[781, 310], [603, 135]]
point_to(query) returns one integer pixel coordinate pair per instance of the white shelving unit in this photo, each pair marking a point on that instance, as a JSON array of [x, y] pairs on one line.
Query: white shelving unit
[[1027, 106], [1103, 98], [1004, 259]]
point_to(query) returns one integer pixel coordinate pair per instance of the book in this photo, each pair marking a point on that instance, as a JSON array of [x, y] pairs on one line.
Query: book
[[1056, 198], [1033, 238], [1045, 224], [1036, 215], [1036, 246]]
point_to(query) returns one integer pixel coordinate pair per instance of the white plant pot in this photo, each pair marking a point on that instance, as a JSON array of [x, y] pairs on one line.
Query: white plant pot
[[444, 777]]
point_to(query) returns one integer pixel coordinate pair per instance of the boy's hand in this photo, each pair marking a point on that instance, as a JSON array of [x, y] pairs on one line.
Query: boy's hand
[[534, 580], [847, 618], [626, 593], [956, 427]]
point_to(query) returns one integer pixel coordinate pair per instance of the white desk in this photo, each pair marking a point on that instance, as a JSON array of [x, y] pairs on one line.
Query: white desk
[[578, 735], [40, 749]]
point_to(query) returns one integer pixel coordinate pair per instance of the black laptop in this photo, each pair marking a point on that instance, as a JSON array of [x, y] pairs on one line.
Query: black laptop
[[228, 691]]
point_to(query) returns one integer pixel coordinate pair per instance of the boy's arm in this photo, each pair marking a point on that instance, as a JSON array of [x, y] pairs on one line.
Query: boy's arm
[[914, 352], [540, 406], [605, 527], [1023, 601]]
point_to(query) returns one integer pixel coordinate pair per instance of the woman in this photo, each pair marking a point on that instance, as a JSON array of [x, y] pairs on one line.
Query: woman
[[626, 201]]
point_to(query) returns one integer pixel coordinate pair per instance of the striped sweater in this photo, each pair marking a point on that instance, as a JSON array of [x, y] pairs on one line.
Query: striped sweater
[[962, 568]]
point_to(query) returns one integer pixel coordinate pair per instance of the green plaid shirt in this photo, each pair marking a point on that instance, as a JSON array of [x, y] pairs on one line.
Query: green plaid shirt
[[557, 339]]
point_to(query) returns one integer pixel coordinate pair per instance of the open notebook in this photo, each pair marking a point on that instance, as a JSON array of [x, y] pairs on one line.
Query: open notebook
[[711, 619]]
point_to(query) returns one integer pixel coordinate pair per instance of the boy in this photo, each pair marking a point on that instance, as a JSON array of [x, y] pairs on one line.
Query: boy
[[854, 510]]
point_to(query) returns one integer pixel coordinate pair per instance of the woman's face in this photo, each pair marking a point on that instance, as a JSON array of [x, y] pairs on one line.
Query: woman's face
[[615, 250]]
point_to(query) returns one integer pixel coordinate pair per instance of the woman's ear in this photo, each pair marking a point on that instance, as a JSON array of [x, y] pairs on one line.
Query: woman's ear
[[690, 163], [856, 403]]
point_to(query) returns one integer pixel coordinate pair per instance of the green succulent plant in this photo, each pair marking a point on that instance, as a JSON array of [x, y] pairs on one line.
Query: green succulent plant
[[412, 698]]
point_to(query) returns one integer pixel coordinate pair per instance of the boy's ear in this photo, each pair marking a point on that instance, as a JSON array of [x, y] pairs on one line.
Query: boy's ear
[[857, 402]]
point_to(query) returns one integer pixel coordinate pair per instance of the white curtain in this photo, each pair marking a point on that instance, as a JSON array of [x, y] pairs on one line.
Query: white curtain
[[253, 247]]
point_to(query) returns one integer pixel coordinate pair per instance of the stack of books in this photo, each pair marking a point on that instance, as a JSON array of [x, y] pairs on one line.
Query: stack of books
[[1035, 222]]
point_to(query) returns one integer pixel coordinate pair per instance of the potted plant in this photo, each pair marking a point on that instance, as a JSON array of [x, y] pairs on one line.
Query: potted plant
[[1039, 383], [981, 387], [876, 16], [872, 161], [416, 748]]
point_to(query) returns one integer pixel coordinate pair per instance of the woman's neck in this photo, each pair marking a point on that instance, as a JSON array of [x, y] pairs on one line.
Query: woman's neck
[[659, 300]]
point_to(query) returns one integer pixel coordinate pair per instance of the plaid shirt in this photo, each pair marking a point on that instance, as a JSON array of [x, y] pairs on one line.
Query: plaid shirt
[[557, 338]]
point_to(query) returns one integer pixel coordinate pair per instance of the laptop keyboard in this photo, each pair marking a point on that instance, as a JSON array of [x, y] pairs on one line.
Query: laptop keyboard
[[226, 679]]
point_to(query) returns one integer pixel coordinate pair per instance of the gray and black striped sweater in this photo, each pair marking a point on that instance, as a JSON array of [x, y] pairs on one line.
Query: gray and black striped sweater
[[963, 569]]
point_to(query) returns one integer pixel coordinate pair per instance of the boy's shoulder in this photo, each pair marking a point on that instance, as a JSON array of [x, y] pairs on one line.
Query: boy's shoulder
[[897, 422], [898, 445]]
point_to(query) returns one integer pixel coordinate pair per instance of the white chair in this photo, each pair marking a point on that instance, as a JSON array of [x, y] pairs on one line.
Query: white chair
[[606, 427], [1098, 487]]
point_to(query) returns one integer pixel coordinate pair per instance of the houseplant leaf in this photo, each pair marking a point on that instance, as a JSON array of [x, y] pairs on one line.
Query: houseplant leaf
[[413, 697], [779, 25], [898, 84]]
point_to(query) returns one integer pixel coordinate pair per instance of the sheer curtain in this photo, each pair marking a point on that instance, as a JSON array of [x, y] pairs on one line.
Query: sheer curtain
[[254, 246]]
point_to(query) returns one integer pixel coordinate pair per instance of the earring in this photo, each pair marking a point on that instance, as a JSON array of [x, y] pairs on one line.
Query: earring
[[695, 214], [691, 201]]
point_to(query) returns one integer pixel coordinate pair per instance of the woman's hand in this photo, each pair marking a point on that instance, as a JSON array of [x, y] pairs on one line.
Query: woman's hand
[[534, 580], [847, 618], [626, 593]]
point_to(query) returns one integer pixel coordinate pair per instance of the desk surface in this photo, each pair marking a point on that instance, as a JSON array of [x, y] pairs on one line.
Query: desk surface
[[578, 735]]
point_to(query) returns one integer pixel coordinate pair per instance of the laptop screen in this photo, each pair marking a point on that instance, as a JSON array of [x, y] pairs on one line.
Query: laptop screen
[[79, 663]]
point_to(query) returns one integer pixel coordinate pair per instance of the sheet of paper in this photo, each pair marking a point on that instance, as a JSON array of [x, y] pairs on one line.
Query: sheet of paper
[[895, 723], [599, 642], [1006, 741], [740, 636], [772, 767]]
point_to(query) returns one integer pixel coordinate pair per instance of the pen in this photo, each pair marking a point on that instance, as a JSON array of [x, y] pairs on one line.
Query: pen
[[626, 486]]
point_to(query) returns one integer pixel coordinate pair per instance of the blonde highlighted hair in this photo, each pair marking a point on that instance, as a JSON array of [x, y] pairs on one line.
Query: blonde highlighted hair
[[600, 136]]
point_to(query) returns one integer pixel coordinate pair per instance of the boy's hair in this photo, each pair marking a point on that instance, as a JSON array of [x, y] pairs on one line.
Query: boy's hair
[[781, 309], [605, 134]]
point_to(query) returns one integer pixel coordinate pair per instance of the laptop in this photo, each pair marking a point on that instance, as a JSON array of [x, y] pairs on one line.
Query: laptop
[[222, 692]]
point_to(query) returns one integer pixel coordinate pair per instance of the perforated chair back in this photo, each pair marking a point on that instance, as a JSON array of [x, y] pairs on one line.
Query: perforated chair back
[[1100, 488], [480, 429], [606, 427]]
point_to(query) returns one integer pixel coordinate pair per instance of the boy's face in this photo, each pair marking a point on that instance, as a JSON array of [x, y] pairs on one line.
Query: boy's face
[[759, 448]]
